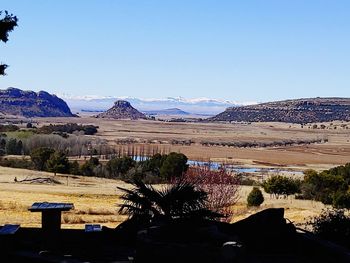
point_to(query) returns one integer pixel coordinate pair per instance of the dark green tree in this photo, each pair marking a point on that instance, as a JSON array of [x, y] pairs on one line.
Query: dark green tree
[[58, 163], [154, 163], [341, 200], [39, 157], [119, 166], [2, 146], [281, 185], [322, 186], [342, 170], [74, 168], [88, 168], [7, 23], [14, 147], [174, 166], [255, 197], [19, 147]]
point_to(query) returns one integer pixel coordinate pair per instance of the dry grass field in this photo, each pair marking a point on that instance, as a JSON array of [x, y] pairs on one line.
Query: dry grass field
[[96, 199], [318, 156]]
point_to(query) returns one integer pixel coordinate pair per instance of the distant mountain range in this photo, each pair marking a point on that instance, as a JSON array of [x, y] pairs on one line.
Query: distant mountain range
[[292, 111], [172, 111], [14, 101], [32, 104], [203, 106]]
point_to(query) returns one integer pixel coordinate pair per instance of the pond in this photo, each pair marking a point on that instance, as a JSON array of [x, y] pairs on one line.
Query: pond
[[239, 169]]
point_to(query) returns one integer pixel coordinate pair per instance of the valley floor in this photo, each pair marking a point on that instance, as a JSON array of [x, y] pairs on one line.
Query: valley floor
[[157, 134]]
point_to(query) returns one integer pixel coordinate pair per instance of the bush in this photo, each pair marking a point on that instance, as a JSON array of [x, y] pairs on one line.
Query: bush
[[174, 166], [68, 128], [341, 200], [89, 167], [14, 147], [40, 156], [281, 185], [8, 128], [119, 166], [16, 163], [333, 225], [255, 197], [221, 187], [74, 168], [322, 186], [154, 163]]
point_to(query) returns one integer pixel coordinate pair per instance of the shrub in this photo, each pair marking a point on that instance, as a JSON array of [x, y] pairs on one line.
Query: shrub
[[8, 128], [16, 163], [174, 165], [281, 185], [119, 166], [40, 156], [74, 168], [332, 224], [255, 197], [322, 186], [221, 187], [88, 168], [68, 128], [14, 147], [341, 200]]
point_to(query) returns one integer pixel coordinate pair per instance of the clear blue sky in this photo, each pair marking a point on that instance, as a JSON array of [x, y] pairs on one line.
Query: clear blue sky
[[239, 50]]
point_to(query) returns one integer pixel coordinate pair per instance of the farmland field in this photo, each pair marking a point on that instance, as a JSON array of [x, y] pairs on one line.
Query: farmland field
[[335, 151]]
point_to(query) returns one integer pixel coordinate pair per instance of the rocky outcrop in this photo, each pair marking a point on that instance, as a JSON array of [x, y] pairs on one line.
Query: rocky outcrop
[[292, 111], [31, 104], [122, 110]]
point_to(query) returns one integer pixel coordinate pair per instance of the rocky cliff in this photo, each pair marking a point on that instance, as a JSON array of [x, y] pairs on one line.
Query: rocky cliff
[[31, 104], [122, 110], [292, 111]]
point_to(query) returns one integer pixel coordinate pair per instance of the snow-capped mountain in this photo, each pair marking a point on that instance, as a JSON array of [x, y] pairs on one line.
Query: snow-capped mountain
[[192, 105]]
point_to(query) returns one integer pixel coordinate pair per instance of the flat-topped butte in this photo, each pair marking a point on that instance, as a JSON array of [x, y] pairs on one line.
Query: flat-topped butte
[[291, 111]]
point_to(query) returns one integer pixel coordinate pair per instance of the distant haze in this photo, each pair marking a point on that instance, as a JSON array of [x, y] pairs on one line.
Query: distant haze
[[193, 105]]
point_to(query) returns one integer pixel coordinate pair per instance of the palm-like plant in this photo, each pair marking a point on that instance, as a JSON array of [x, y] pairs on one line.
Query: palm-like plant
[[178, 201]]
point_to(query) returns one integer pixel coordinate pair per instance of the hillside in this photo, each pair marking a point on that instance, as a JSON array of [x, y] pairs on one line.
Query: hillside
[[122, 110], [31, 104], [291, 111]]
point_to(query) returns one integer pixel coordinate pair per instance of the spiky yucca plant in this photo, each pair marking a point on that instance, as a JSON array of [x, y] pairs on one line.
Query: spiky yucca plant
[[177, 201]]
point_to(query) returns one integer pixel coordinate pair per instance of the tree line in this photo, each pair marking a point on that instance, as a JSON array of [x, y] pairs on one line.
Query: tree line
[[331, 187], [158, 168]]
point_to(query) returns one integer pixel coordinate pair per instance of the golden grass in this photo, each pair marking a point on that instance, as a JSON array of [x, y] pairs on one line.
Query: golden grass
[[96, 201]]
